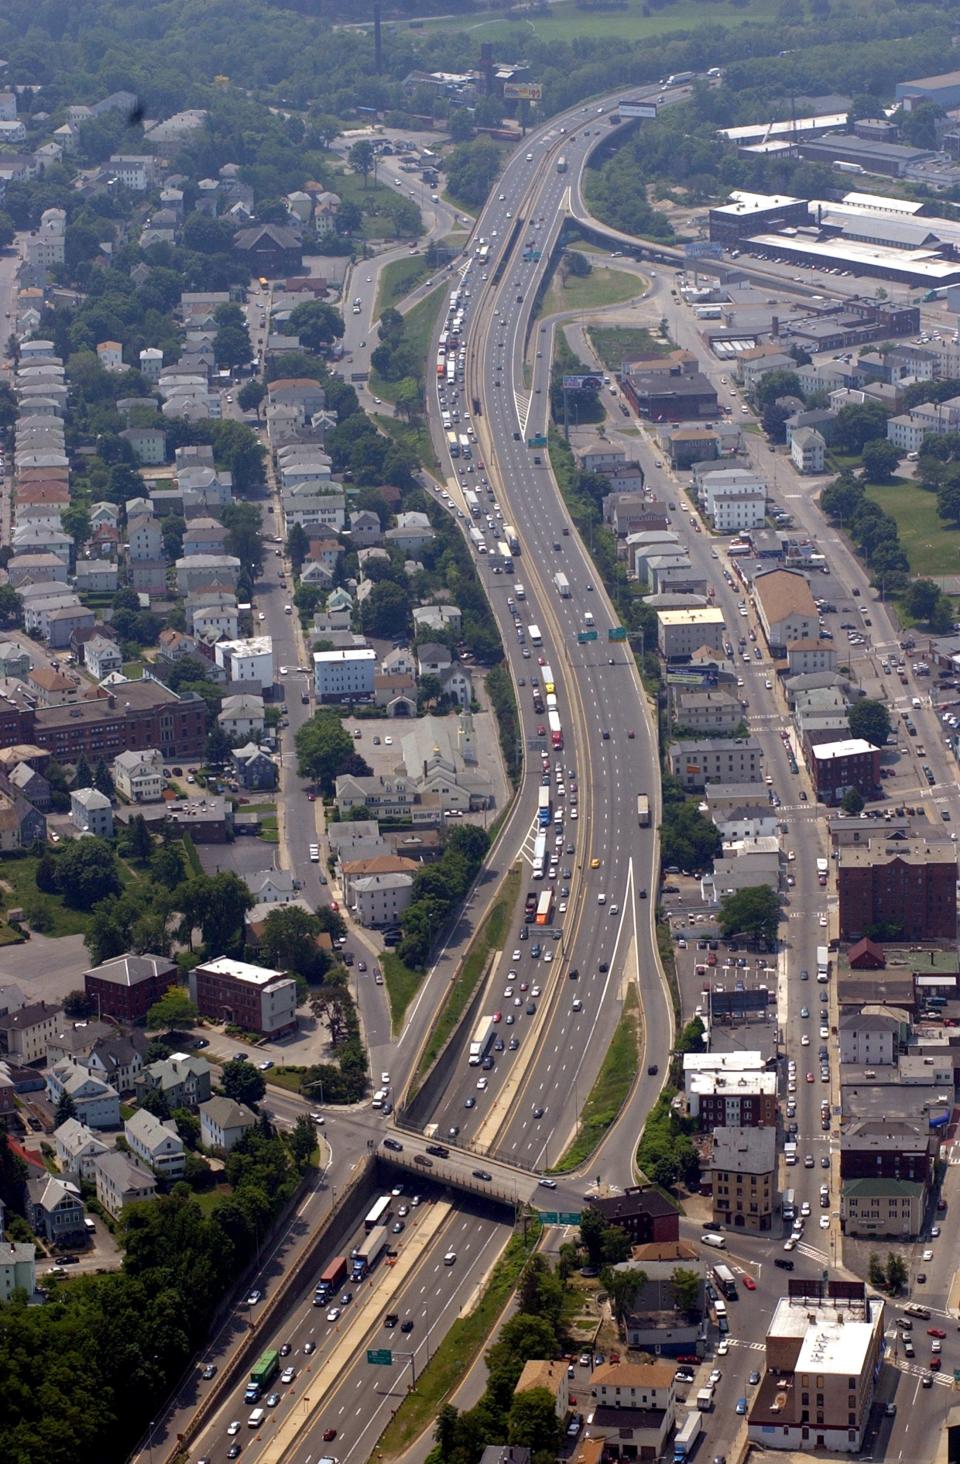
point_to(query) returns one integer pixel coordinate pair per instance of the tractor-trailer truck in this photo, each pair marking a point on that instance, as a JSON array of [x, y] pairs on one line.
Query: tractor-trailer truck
[[332, 1278], [563, 586], [370, 1249], [686, 1436], [480, 1041], [643, 810]]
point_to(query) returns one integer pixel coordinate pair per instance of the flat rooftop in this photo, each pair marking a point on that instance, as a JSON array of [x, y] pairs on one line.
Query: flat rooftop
[[242, 971], [923, 265]]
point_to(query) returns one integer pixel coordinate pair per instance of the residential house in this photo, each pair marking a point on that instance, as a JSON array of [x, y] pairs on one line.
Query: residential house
[[551, 1376], [253, 768], [91, 813], [183, 1080], [77, 1146], [122, 1180], [242, 716], [717, 760], [25, 1032], [117, 1058], [97, 1103], [807, 450], [21, 825], [642, 1211], [223, 1123], [412, 532], [148, 443], [634, 1408], [55, 1210], [144, 538], [272, 886], [157, 1143], [138, 776], [786, 608], [345, 674], [18, 1268], [32, 786], [101, 656]]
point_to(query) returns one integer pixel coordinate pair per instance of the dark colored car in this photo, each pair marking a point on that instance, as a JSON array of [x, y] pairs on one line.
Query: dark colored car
[[482, 1174], [393, 1144]]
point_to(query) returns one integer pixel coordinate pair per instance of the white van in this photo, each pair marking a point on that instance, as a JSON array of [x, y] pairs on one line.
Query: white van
[[588, 617], [719, 1242], [916, 702], [379, 1098], [256, 1418]]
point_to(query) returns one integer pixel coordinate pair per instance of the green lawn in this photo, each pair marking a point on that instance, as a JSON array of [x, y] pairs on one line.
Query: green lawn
[[402, 983], [616, 343], [610, 1090], [600, 287], [418, 328], [371, 199], [488, 938], [638, 21], [932, 547], [398, 278], [455, 1354], [20, 875]]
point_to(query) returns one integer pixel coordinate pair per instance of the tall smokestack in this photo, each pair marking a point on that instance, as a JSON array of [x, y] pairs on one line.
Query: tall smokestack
[[377, 38], [486, 66]]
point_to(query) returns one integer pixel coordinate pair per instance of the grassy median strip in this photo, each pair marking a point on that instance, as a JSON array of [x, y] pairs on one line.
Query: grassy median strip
[[456, 1353], [402, 984], [609, 1092], [398, 278], [488, 938]]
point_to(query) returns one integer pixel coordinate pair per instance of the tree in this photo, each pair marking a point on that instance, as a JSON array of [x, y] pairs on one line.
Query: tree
[[921, 599], [218, 746], [13, 1176], [86, 872], [11, 607], [753, 913], [66, 1108], [880, 460], [166, 866], [324, 749], [623, 1288], [78, 1005], [687, 1291], [154, 1101], [688, 838], [948, 501], [302, 1141], [242, 1082], [386, 611], [444, 1430], [298, 546], [533, 1422], [857, 425], [251, 394], [460, 125], [852, 801], [139, 839], [870, 720], [217, 904], [103, 782], [289, 942], [82, 776], [362, 160], [174, 1009], [875, 1272], [896, 1272], [244, 534], [592, 1228], [317, 324]]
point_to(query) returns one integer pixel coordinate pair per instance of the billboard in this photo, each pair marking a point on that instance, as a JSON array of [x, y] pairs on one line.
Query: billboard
[[582, 383], [637, 109], [702, 249], [738, 1003], [523, 91]]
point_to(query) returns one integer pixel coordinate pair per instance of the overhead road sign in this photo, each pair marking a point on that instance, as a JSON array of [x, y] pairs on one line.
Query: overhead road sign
[[617, 633], [380, 1356], [582, 383]]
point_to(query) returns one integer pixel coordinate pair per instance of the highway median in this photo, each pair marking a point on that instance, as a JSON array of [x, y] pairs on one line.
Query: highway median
[[611, 1089]]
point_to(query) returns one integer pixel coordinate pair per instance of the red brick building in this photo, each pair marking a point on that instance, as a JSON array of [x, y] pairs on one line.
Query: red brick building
[[642, 1212], [904, 888], [127, 986], [888, 1148], [133, 717], [837, 766], [252, 997]]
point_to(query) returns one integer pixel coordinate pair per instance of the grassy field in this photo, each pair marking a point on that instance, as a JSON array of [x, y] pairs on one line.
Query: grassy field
[[488, 938], [398, 278], [402, 983], [20, 876], [932, 547], [455, 1354], [416, 437], [418, 328], [565, 22], [609, 1092], [616, 343], [600, 287], [377, 222]]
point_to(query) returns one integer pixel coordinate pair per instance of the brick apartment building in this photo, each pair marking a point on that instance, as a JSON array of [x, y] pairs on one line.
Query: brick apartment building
[[642, 1212], [888, 1148], [136, 716], [837, 766], [128, 986], [906, 888], [252, 997]]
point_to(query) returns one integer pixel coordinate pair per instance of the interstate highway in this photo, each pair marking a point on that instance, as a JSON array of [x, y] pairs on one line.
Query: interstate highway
[[593, 696]]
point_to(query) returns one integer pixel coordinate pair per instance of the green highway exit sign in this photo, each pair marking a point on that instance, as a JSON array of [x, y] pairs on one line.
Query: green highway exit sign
[[379, 1356]]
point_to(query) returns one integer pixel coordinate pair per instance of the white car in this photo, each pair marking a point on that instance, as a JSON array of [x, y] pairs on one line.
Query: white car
[[824, 1222], [805, 1040], [481, 1084], [927, 1255], [233, 1427], [284, 670], [822, 922], [723, 1348]]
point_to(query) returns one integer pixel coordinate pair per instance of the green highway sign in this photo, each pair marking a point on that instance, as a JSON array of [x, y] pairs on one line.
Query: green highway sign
[[550, 1217], [379, 1356], [586, 635], [569, 1217], [617, 633]]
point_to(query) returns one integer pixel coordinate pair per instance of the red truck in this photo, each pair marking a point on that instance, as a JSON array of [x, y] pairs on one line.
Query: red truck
[[332, 1278]]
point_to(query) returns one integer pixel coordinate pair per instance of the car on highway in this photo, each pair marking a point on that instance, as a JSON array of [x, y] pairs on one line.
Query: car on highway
[[749, 1283], [333, 1314], [288, 1375], [254, 1297], [470, 1102], [547, 1183], [234, 1427]]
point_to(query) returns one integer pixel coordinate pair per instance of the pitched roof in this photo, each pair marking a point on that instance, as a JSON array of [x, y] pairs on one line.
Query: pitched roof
[[225, 1113], [783, 592]]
